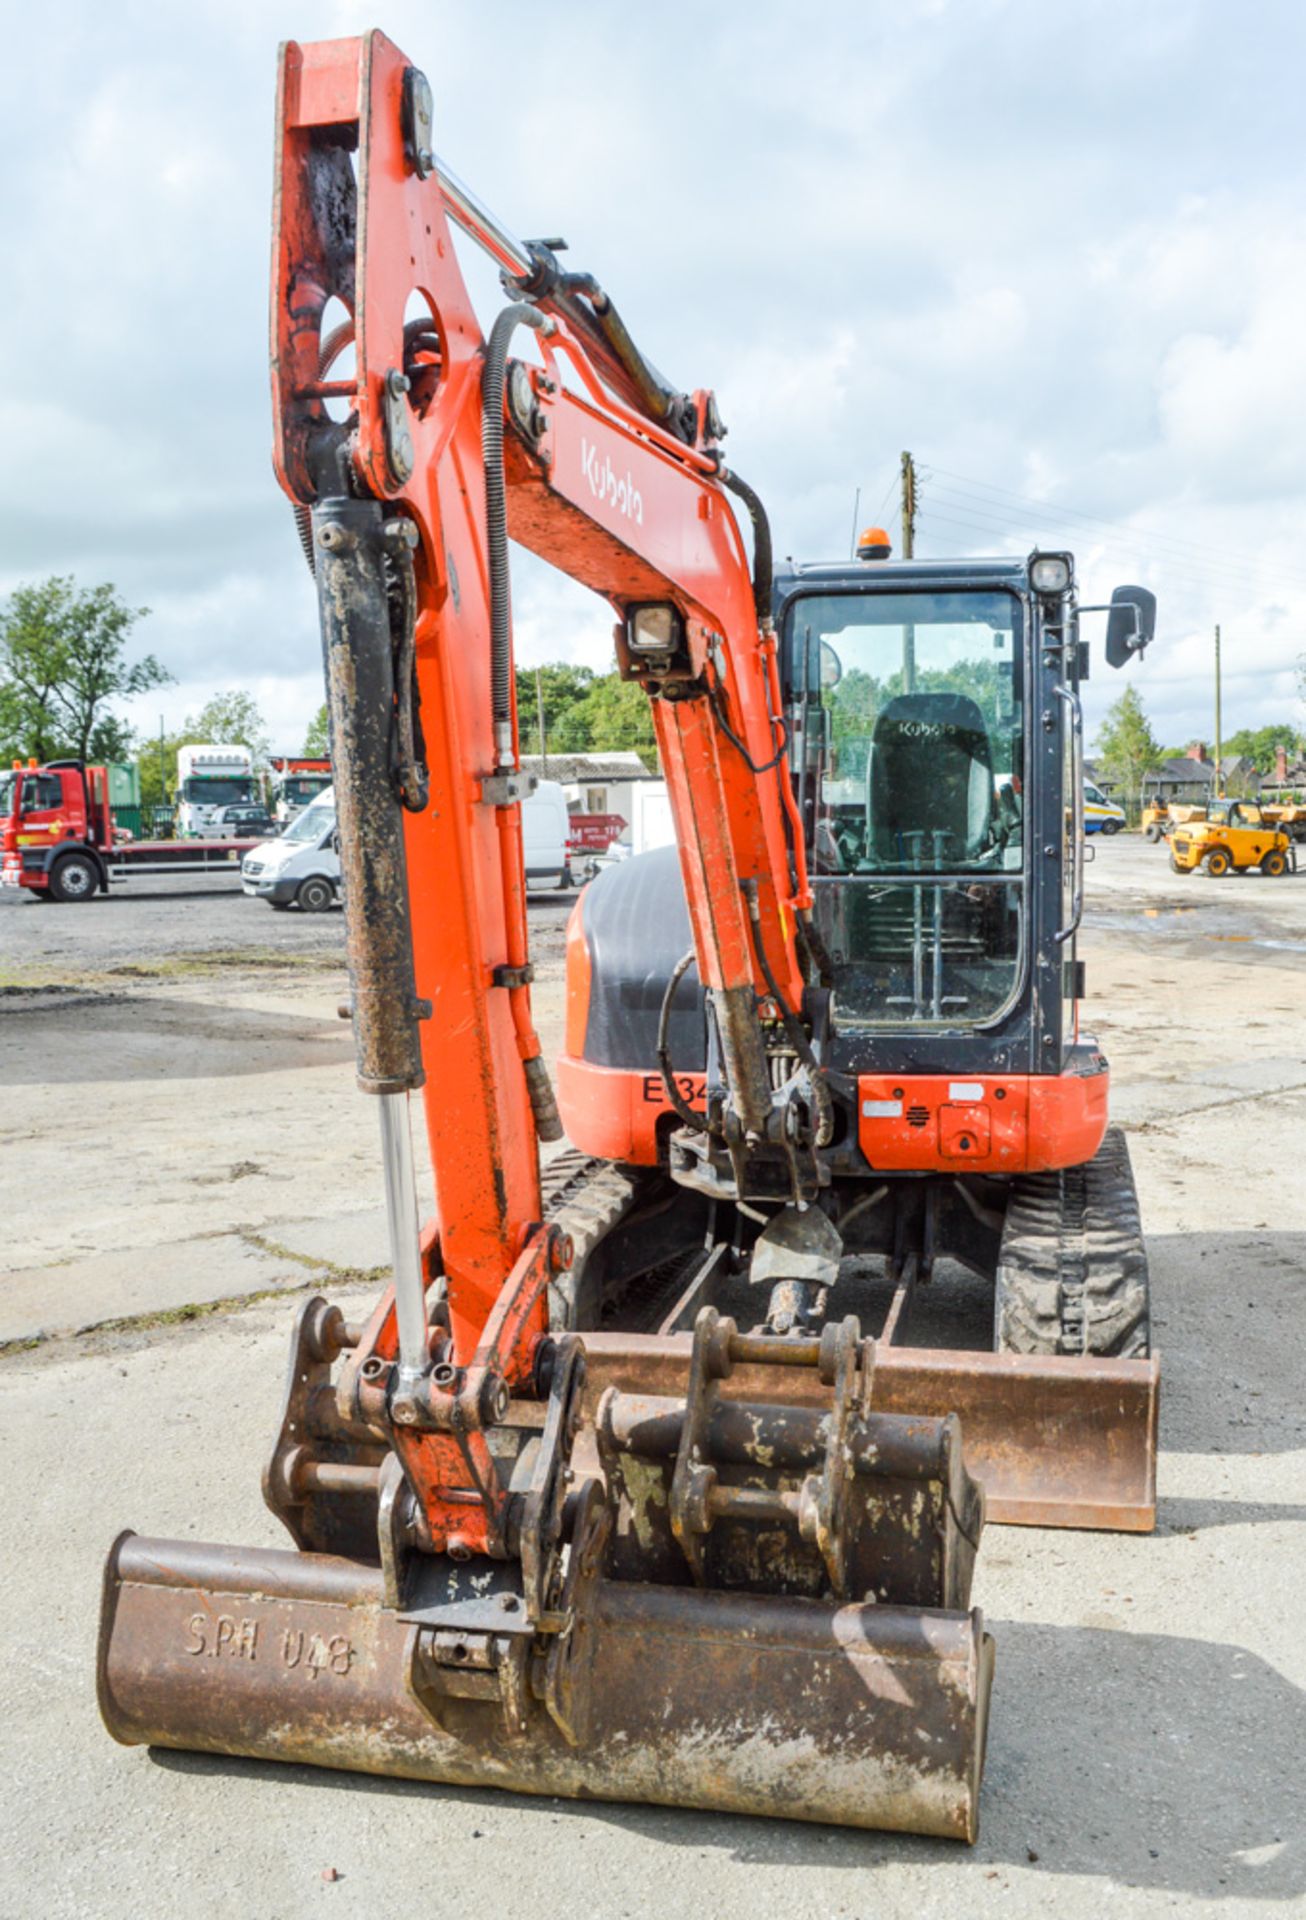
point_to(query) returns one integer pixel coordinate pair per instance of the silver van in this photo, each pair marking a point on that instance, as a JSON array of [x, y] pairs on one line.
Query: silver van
[[302, 868]]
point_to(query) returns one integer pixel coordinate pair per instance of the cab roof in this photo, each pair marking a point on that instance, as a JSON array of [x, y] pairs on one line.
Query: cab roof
[[1006, 571]]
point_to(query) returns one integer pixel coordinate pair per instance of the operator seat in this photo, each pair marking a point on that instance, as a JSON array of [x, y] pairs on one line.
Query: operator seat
[[929, 783]]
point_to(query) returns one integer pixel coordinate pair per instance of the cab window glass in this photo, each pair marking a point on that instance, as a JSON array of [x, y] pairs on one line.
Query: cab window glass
[[912, 785], [41, 791], [923, 730]]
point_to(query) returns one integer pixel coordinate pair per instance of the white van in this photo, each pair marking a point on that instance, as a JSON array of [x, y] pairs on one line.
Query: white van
[[302, 868], [1100, 814], [544, 839]]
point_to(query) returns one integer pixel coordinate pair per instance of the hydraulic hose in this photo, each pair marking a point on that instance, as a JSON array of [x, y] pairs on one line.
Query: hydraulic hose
[[763, 562], [548, 1124], [763, 573], [793, 1026], [681, 1106], [580, 302], [493, 378], [411, 782]]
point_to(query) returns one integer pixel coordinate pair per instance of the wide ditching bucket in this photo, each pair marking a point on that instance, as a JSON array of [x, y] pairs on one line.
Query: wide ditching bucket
[[726, 1600], [1055, 1440]]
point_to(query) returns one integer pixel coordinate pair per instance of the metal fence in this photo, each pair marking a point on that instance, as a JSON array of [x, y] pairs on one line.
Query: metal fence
[[146, 823]]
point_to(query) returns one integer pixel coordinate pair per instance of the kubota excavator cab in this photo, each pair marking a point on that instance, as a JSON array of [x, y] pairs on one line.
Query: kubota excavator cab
[[935, 748]]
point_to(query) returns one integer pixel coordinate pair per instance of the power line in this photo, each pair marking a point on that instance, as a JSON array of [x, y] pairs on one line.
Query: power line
[[983, 490], [1136, 539], [1230, 576], [1216, 583], [888, 494]]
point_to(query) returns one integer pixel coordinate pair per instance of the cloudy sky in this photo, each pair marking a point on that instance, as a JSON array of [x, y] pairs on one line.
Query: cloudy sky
[[1059, 251]]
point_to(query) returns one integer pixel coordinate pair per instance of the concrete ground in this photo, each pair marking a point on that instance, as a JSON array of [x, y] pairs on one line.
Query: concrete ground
[[182, 1145]]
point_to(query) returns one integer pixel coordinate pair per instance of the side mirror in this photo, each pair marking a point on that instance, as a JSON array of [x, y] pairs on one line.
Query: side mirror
[[1131, 623]]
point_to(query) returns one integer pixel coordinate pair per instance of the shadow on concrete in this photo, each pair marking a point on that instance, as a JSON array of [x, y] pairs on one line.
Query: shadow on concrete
[[1141, 1760], [1180, 1515], [151, 1039], [1224, 1306]]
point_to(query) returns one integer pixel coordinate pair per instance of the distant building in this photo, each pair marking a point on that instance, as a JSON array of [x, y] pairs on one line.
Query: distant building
[[1190, 779], [592, 782], [1288, 779]]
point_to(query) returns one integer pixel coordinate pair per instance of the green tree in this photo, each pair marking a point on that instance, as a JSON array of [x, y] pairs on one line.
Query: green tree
[[613, 717], [584, 712], [561, 687], [63, 662], [231, 719], [852, 704], [317, 741], [1258, 744], [1126, 745], [157, 760]]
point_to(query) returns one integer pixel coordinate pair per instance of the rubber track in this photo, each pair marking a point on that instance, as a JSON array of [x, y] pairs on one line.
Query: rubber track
[[1072, 1267], [587, 1199]]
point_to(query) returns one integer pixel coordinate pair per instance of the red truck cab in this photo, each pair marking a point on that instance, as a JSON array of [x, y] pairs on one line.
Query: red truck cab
[[59, 841], [55, 828]]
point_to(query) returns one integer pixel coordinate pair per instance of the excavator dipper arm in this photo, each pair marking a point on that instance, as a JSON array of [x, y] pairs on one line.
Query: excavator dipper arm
[[746, 1597], [450, 446]]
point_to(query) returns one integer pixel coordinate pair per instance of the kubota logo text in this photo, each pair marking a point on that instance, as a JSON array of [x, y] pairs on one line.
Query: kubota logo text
[[606, 484]]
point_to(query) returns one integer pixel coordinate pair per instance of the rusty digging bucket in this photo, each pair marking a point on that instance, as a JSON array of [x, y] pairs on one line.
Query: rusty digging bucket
[[740, 1604]]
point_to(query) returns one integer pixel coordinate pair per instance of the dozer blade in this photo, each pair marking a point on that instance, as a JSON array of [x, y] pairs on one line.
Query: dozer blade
[[863, 1716], [1060, 1441], [715, 1599]]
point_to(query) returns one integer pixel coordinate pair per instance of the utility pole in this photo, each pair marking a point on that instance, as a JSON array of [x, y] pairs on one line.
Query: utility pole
[[908, 553], [908, 507], [539, 710], [1219, 756]]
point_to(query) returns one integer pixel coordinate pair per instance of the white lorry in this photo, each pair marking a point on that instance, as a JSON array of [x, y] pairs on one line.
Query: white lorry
[[209, 780], [651, 824], [296, 782]]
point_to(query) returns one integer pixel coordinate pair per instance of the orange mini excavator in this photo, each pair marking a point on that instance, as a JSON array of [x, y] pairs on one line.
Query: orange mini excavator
[[611, 1497]]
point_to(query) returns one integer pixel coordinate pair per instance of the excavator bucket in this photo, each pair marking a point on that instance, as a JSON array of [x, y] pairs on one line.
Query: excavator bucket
[[760, 1607], [1054, 1440]]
